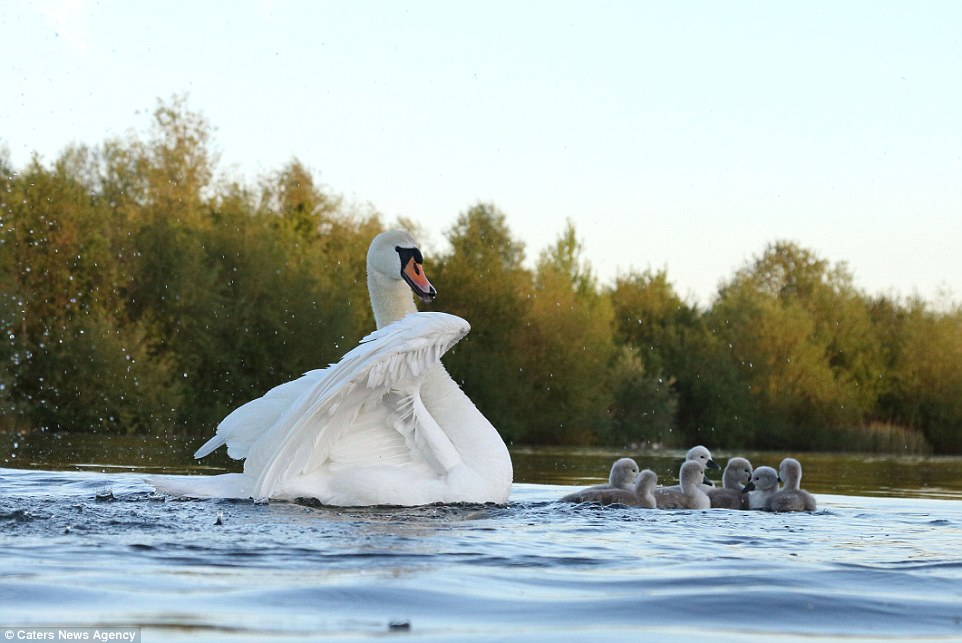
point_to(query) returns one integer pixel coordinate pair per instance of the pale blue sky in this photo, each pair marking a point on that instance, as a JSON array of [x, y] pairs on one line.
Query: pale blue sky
[[674, 135]]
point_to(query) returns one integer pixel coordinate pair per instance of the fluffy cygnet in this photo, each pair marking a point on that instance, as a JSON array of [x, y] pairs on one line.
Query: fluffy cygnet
[[641, 496], [689, 495], [738, 472], [761, 487], [624, 474], [703, 455], [792, 497]]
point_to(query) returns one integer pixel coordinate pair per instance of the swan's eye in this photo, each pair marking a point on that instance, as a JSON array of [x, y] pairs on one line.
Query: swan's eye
[[406, 254]]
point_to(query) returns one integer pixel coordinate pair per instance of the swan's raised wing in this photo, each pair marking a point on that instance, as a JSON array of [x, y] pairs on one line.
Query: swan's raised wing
[[247, 423], [366, 409]]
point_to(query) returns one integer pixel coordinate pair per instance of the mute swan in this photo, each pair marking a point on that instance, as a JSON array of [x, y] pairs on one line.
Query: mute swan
[[386, 425], [688, 495], [761, 487], [738, 471], [640, 495], [792, 497]]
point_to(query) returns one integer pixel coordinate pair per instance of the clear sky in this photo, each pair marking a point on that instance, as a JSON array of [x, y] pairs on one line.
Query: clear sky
[[677, 135]]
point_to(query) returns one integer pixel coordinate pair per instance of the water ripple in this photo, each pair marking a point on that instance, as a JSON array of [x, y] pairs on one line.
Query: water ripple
[[215, 569]]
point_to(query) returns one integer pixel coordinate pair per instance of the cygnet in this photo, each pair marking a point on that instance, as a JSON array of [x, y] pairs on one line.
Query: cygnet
[[792, 497], [641, 496], [738, 472], [689, 495], [761, 487], [624, 474], [703, 455]]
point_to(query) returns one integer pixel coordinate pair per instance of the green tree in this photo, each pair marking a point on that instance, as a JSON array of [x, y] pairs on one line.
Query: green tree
[[267, 294], [650, 316], [483, 281], [644, 408], [137, 293], [568, 348], [716, 405], [890, 319], [177, 164], [78, 363], [924, 375], [654, 327], [801, 339], [778, 361], [302, 210]]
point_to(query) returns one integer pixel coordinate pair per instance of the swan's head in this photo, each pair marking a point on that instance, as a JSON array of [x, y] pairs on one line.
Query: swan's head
[[703, 455], [763, 479], [395, 255], [623, 473]]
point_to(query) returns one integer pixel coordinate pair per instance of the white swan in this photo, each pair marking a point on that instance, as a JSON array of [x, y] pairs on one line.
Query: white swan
[[761, 487], [384, 426], [687, 495], [792, 497], [738, 472]]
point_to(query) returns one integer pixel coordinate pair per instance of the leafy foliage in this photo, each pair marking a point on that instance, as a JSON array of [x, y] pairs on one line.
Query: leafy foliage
[[483, 281], [139, 292]]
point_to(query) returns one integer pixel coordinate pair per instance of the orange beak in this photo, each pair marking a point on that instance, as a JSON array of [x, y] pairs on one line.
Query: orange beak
[[413, 273]]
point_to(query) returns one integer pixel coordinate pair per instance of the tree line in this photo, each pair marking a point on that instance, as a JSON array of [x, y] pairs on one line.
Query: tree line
[[139, 293]]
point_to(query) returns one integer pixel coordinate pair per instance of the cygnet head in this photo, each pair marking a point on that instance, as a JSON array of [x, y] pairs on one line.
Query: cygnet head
[[703, 455], [691, 474], [623, 474], [738, 471], [790, 471], [647, 480], [763, 479], [394, 269]]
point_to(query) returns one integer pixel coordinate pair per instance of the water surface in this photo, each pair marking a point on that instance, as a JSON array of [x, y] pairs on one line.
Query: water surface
[[94, 546]]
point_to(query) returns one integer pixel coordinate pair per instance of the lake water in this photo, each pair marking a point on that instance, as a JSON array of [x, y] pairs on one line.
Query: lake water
[[83, 541]]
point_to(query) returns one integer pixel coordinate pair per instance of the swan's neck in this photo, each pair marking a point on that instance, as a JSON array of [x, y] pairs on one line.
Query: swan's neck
[[469, 431], [391, 299]]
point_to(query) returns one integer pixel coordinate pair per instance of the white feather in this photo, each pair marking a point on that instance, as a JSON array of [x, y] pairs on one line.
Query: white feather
[[385, 425]]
